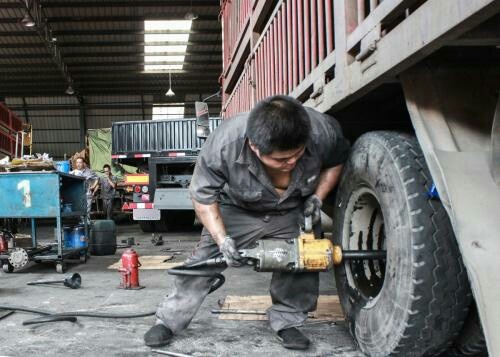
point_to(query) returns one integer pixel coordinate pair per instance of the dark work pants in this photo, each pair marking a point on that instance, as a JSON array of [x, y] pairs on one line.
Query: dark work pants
[[107, 207], [293, 295]]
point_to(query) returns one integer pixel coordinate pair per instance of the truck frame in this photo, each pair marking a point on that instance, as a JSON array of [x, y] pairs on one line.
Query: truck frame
[[429, 68]]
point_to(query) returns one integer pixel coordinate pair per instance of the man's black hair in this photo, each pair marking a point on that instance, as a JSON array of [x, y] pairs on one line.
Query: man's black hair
[[106, 165], [278, 123]]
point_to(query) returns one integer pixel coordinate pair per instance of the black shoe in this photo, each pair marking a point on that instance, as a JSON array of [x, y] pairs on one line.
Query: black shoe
[[157, 336], [293, 339]]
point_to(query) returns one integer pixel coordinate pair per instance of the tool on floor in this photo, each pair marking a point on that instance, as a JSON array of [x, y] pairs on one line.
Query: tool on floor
[[130, 270], [304, 253], [157, 240], [170, 353], [73, 282], [237, 311]]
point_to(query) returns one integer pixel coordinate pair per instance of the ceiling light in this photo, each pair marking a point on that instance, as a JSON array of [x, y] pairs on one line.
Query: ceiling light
[[70, 90], [163, 58], [27, 20], [166, 37], [170, 92], [170, 48], [190, 16], [161, 67]]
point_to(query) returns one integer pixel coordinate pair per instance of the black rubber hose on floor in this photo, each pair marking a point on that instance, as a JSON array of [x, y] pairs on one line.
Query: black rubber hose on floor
[[69, 316]]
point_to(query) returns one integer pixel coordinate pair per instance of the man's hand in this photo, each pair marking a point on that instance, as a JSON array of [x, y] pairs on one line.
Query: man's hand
[[230, 252], [312, 207]]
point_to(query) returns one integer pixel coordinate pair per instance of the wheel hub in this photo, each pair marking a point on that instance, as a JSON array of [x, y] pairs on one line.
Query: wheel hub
[[364, 230]]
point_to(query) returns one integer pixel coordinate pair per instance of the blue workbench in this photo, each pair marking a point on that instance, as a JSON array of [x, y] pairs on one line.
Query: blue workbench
[[42, 194]]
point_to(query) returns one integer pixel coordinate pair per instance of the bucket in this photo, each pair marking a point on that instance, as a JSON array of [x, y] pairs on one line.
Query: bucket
[[76, 238], [67, 236], [63, 166]]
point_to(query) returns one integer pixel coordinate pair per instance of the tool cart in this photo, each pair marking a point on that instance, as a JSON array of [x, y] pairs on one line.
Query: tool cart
[[45, 194]]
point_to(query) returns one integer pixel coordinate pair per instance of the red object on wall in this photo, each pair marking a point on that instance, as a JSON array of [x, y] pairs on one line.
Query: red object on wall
[[130, 270]]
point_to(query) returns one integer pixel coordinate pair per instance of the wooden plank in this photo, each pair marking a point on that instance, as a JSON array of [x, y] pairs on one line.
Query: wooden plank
[[328, 309]]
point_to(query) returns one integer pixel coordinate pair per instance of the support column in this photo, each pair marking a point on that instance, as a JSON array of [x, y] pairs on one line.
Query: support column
[[83, 121]]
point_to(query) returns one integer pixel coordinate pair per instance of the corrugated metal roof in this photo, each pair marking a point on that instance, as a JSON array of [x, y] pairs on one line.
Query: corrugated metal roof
[[102, 47], [103, 36]]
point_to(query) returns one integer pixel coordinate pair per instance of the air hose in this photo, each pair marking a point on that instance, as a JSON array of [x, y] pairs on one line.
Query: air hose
[[72, 315], [193, 271], [69, 316]]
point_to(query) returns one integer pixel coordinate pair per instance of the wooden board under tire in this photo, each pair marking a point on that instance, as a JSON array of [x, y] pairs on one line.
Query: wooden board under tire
[[150, 262], [329, 308]]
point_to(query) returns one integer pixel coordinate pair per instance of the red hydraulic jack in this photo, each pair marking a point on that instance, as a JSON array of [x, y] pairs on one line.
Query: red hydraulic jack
[[130, 270]]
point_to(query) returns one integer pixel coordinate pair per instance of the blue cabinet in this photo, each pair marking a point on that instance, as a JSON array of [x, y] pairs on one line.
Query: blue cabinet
[[42, 194]]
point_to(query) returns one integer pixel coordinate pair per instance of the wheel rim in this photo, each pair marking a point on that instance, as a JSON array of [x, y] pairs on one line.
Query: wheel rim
[[364, 230]]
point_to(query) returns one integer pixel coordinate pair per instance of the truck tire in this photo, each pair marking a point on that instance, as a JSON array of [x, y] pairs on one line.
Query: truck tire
[[415, 301], [147, 226], [180, 220], [470, 341], [162, 224]]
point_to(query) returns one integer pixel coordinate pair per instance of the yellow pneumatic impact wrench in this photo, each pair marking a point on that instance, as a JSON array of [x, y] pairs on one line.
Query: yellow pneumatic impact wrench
[[301, 254]]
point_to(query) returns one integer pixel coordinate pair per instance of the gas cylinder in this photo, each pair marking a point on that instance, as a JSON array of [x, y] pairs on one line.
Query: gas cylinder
[[130, 270]]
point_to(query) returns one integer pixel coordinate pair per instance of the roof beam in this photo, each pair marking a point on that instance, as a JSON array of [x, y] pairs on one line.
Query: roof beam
[[129, 3], [133, 3], [79, 19], [112, 44], [180, 92], [44, 31], [16, 76], [128, 32], [113, 81], [128, 105]]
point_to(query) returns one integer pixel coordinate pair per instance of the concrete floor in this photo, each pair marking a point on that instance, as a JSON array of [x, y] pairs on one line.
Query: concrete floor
[[206, 336]]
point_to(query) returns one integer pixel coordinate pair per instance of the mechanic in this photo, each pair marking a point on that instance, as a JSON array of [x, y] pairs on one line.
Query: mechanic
[[256, 177], [107, 184], [91, 180]]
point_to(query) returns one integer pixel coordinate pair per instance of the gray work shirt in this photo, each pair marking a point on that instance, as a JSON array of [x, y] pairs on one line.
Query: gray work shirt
[[89, 175], [227, 171], [107, 191]]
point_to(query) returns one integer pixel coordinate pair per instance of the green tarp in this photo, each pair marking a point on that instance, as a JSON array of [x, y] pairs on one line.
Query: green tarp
[[99, 141]]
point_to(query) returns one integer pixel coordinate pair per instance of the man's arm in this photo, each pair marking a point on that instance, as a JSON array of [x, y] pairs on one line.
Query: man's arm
[[328, 179], [211, 218]]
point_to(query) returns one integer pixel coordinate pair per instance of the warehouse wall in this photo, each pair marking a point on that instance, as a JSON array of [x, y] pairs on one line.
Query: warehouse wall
[[56, 120]]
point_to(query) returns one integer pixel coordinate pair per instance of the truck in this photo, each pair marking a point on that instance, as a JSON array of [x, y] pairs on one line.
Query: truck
[[415, 86], [165, 152]]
